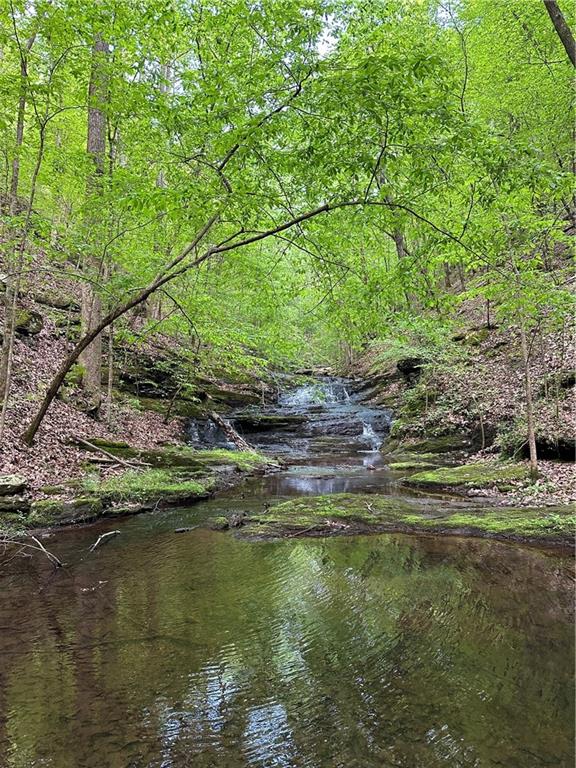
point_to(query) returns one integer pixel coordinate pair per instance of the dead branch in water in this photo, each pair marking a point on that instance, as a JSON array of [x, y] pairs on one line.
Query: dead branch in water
[[37, 547], [103, 538]]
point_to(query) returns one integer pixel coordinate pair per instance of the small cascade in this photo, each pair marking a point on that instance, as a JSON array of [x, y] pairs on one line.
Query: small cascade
[[370, 437], [192, 432], [325, 392]]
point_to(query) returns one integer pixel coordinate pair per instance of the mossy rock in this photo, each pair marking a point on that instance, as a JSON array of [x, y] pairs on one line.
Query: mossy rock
[[478, 475], [186, 457], [55, 300], [16, 504], [218, 523], [58, 512], [440, 444], [260, 422], [155, 485], [12, 485], [472, 337], [29, 322], [53, 490]]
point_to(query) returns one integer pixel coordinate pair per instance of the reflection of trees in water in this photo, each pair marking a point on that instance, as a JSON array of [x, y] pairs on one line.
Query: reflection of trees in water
[[418, 651]]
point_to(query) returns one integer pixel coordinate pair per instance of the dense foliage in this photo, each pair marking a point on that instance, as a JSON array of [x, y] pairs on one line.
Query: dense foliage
[[438, 132]]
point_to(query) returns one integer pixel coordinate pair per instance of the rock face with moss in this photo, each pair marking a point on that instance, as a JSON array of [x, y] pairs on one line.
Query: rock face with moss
[[363, 513]]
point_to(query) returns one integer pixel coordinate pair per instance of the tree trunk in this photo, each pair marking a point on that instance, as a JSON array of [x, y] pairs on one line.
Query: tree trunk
[[563, 30], [91, 314], [529, 403], [13, 276]]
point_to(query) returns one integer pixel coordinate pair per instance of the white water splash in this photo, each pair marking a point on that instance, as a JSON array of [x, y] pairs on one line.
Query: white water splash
[[320, 393], [370, 437]]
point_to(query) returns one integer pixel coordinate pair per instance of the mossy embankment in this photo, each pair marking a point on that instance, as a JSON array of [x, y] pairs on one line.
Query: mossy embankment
[[501, 476], [371, 513], [162, 477]]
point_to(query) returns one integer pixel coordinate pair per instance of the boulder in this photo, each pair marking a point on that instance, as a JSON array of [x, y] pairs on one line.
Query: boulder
[[29, 322], [12, 485], [54, 511], [411, 368]]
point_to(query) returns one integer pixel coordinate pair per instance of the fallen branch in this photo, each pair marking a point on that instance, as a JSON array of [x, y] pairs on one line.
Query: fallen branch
[[305, 530], [103, 538], [53, 559], [38, 548], [117, 460], [229, 431]]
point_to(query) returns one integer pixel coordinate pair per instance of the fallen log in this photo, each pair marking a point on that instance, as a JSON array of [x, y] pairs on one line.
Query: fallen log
[[229, 431], [131, 464]]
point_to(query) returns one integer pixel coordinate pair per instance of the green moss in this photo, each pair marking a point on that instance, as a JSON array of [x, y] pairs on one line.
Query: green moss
[[151, 484], [478, 475], [354, 513], [521, 522], [439, 444], [28, 322], [401, 465], [46, 507], [53, 511], [218, 523], [330, 513], [13, 524]]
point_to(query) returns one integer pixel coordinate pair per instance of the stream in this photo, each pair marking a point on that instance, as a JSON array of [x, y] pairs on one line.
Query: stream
[[165, 650]]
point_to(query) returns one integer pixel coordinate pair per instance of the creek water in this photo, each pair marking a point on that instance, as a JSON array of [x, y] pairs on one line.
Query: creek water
[[165, 650]]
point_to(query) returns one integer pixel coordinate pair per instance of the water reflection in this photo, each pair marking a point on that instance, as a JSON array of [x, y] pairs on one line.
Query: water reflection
[[167, 650]]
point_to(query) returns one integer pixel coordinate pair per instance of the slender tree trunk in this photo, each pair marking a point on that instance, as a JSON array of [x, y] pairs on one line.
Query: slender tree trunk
[[91, 313], [13, 277], [12, 296], [563, 30], [529, 402], [110, 375]]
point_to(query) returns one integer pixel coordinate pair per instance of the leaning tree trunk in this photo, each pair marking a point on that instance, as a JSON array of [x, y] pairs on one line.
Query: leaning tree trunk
[[562, 29], [91, 314]]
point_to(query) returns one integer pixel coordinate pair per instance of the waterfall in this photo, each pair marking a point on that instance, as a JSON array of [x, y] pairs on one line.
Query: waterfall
[[318, 393], [370, 437]]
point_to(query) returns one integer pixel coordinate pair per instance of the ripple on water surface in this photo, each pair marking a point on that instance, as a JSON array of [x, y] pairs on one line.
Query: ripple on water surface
[[166, 651]]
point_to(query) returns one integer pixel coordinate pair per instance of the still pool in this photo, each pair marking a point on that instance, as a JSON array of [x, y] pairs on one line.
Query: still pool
[[164, 650]]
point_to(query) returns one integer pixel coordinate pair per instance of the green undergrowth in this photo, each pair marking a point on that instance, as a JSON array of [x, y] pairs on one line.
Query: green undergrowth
[[361, 513]]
